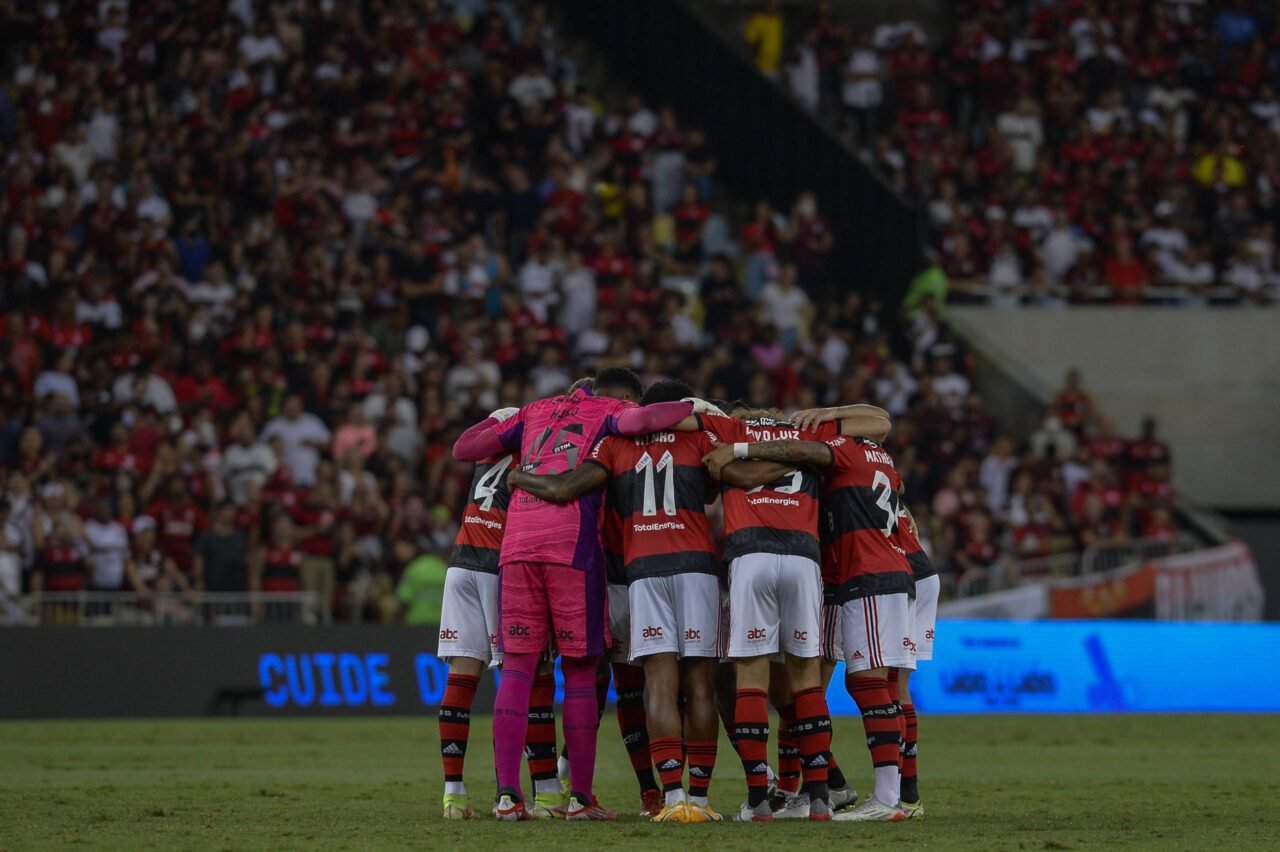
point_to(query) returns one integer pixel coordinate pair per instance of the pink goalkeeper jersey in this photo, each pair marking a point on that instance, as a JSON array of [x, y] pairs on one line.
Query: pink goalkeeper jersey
[[553, 436]]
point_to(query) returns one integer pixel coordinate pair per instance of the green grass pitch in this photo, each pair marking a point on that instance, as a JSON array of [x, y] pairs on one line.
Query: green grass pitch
[[989, 783]]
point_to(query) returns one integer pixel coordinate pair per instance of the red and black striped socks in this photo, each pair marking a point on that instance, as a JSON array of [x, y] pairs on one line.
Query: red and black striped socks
[[702, 762], [455, 727], [910, 783], [812, 732], [628, 683], [540, 741], [668, 758], [880, 720], [751, 732], [788, 751]]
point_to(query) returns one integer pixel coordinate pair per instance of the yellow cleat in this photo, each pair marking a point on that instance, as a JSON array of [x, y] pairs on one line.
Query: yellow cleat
[[456, 806], [915, 810], [701, 813], [679, 812]]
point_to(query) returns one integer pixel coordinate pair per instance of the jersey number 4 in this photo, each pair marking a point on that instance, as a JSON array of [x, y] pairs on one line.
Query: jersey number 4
[[665, 467], [487, 486]]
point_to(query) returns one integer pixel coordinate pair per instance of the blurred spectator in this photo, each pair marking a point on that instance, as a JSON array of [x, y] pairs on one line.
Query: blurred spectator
[[421, 589], [220, 556], [763, 35]]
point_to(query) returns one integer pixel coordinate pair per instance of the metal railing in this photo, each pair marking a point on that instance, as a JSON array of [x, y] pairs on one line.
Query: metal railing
[[114, 609], [1110, 557]]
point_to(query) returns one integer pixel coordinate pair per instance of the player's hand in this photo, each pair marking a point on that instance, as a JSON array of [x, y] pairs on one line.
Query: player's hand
[[516, 479], [504, 414], [809, 418], [718, 458], [701, 406]]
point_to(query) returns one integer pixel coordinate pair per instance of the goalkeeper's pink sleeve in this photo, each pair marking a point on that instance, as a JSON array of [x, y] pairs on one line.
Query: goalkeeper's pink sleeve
[[651, 418], [479, 442]]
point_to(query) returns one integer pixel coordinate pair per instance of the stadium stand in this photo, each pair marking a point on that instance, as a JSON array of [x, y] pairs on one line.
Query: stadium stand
[[264, 261], [1067, 152]]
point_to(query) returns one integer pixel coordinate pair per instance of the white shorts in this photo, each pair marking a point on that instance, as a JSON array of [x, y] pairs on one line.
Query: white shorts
[[832, 641], [924, 616], [469, 616], [619, 624], [775, 604], [678, 614], [877, 633]]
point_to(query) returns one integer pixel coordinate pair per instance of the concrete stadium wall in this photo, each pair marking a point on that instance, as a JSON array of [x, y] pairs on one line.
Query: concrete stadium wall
[[1211, 377]]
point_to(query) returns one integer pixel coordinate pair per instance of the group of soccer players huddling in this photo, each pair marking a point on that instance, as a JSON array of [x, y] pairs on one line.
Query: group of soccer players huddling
[[586, 537]]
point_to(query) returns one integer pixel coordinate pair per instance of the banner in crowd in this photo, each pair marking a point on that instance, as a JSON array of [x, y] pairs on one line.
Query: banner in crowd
[[1214, 584], [979, 667]]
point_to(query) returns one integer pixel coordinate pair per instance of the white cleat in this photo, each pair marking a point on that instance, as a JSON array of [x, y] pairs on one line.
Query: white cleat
[[872, 810], [760, 813]]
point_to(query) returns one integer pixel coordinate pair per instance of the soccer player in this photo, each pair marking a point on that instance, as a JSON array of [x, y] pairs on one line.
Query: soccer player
[[861, 505], [552, 571], [775, 600], [656, 497], [469, 641], [924, 617]]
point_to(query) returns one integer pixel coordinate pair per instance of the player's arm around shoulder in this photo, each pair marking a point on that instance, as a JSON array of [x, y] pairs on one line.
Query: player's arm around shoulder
[[786, 455], [854, 421], [560, 487]]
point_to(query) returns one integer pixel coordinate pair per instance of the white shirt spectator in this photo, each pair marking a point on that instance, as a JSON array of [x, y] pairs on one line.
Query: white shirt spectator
[[108, 550], [892, 33], [580, 123], [77, 157], [359, 207], [11, 548], [376, 405], [1025, 135], [1036, 219], [864, 92], [103, 136], [993, 475], [952, 389], [643, 122], [802, 74], [783, 307], [217, 297], [579, 311], [155, 392], [52, 381], [538, 285], [255, 48], [834, 353], [530, 87], [155, 208], [1060, 250], [246, 463], [297, 438], [896, 388]]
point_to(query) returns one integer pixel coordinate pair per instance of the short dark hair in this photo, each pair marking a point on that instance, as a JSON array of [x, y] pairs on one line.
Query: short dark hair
[[736, 405], [671, 390], [619, 378]]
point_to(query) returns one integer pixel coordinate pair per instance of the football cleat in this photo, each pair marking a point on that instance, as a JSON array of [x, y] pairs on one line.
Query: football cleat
[[760, 813], [457, 807], [914, 810], [843, 797], [678, 812], [549, 806], [819, 810], [872, 810], [651, 803], [510, 808], [793, 807], [579, 810], [702, 813]]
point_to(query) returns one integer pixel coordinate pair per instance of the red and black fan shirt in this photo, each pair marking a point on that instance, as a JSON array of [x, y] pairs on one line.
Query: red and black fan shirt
[[480, 534], [281, 569]]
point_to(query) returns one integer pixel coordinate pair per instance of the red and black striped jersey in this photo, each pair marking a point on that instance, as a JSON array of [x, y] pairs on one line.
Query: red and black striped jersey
[[282, 569], [63, 569], [781, 517], [921, 565], [615, 564], [658, 490], [860, 506], [480, 534]]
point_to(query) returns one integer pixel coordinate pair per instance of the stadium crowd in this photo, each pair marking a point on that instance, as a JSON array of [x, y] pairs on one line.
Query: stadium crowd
[[1091, 151], [264, 261]]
